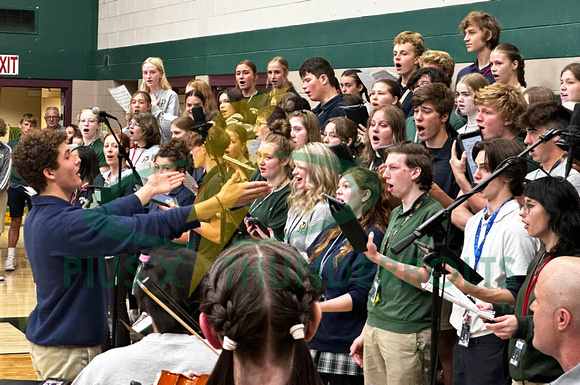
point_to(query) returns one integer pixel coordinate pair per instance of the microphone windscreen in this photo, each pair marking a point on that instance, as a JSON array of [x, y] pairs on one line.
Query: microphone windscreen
[[96, 110]]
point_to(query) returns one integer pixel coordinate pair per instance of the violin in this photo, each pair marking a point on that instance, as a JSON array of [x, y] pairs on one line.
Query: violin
[[168, 378]]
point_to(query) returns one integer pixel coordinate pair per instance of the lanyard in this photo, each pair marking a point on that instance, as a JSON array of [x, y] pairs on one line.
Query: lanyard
[[329, 251], [477, 247], [276, 189], [252, 207], [557, 163], [295, 223], [75, 197], [135, 151], [387, 240], [391, 234], [533, 280]]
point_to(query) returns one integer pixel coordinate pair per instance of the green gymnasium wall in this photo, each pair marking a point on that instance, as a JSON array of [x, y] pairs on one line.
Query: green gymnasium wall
[[65, 46]]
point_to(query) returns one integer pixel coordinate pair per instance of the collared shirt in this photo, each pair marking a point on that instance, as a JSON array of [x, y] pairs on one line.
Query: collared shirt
[[442, 173], [571, 377], [403, 308], [474, 69], [557, 170], [507, 253], [65, 243], [329, 110]]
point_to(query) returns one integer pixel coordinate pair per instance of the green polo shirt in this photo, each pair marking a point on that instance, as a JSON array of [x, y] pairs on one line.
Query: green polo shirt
[[273, 211], [403, 308], [97, 146], [15, 178]]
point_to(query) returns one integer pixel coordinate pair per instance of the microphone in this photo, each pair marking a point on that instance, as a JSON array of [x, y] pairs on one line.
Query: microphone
[[199, 123], [102, 114], [573, 138]]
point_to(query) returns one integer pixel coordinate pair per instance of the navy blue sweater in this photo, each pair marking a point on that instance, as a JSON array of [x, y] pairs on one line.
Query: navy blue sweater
[[352, 274], [64, 243]]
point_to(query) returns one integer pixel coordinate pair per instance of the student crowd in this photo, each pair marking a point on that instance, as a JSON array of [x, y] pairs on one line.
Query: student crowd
[[365, 316]]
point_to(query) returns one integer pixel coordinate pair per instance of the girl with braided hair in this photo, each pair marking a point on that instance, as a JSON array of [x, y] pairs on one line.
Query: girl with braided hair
[[260, 304]]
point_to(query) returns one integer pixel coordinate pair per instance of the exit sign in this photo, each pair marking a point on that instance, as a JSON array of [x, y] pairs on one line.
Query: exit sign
[[9, 64]]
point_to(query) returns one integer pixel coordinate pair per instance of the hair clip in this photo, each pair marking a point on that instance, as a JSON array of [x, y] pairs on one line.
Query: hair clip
[[229, 344], [297, 331]]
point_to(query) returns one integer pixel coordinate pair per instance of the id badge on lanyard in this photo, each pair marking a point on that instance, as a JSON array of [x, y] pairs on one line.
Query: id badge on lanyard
[[515, 359], [375, 290], [465, 330]]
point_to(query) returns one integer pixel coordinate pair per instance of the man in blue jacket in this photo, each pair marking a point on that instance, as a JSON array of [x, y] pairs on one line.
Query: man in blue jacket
[[64, 244]]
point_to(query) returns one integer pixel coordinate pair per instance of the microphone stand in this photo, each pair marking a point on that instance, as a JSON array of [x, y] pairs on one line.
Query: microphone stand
[[122, 155], [572, 138], [224, 178], [433, 227], [202, 127]]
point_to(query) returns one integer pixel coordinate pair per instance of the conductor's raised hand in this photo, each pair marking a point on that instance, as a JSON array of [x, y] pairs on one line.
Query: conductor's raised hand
[[234, 193], [164, 182], [159, 183]]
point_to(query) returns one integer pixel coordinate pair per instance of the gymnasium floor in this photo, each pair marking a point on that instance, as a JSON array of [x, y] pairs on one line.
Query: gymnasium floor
[[17, 299]]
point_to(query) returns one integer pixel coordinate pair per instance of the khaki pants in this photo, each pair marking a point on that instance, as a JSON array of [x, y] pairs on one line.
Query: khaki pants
[[61, 361], [396, 359], [514, 382]]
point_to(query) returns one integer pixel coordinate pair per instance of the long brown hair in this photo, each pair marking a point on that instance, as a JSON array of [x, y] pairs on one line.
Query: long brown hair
[[397, 122], [310, 122], [149, 126], [376, 210], [204, 88]]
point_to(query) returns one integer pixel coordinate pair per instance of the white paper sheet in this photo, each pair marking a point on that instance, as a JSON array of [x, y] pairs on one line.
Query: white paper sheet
[[369, 78], [121, 96], [454, 295]]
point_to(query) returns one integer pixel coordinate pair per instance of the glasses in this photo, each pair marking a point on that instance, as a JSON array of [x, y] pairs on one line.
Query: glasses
[[90, 121], [527, 206], [133, 124], [51, 117]]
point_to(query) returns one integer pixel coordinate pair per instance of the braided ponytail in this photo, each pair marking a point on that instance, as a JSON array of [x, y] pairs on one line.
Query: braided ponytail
[[521, 73], [302, 358], [254, 295]]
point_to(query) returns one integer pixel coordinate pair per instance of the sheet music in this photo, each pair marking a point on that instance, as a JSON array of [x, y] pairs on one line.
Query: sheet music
[[121, 96], [369, 78], [454, 295], [190, 183]]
